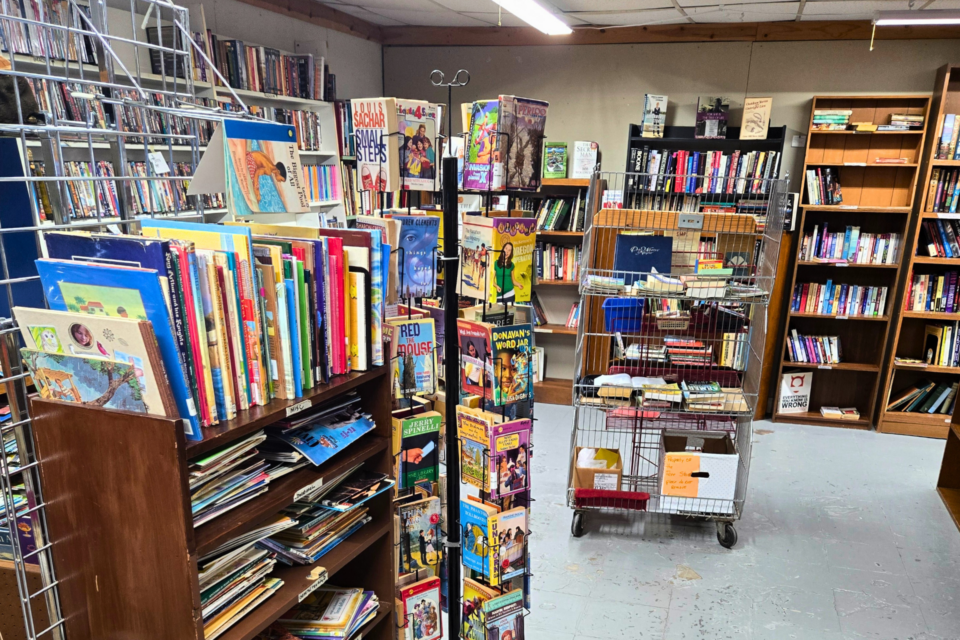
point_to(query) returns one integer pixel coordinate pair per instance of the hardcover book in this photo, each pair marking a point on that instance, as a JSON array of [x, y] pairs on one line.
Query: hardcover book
[[482, 168], [640, 255], [522, 122], [585, 157], [420, 546], [555, 160], [417, 256], [375, 131], [263, 170], [712, 115], [654, 115]]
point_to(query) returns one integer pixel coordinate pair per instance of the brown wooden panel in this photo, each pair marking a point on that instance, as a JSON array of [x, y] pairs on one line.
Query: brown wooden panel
[[817, 148], [855, 149], [833, 150], [554, 391], [877, 190], [118, 515], [903, 182], [851, 184]]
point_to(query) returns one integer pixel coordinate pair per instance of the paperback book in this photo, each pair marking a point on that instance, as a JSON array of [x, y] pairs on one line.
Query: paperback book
[[555, 160], [417, 247], [416, 445], [420, 546], [482, 171], [512, 350], [522, 125], [417, 122], [654, 115], [375, 132]]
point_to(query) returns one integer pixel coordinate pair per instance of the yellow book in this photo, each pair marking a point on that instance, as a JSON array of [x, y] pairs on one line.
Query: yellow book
[[282, 230], [348, 297], [219, 357]]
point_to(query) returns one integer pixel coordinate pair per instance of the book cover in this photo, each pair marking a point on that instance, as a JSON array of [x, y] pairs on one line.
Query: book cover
[[319, 443], [637, 256], [712, 115], [263, 173], [419, 449], [474, 621], [512, 347], [508, 533], [92, 289], [523, 122], [413, 356], [477, 258], [555, 160], [586, 155], [475, 354], [375, 131], [514, 241], [362, 485], [417, 256], [120, 339], [475, 431], [756, 118], [420, 546], [417, 121], [654, 115], [504, 616], [483, 168], [795, 392], [475, 524], [510, 458], [421, 610]]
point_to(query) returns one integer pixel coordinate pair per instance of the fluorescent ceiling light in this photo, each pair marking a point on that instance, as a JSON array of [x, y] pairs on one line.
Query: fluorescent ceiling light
[[900, 18], [536, 16]]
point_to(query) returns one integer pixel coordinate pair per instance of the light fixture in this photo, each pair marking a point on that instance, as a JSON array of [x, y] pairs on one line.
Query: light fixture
[[536, 16], [905, 18]]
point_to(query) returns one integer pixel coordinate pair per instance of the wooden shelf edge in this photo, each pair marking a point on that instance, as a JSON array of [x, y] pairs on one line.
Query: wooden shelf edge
[[843, 318], [931, 315], [855, 208], [556, 329], [839, 366], [566, 182], [256, 418], [846, 265], [815, 419], [295, 581], [235, 522], [928, 368], [907, 424]]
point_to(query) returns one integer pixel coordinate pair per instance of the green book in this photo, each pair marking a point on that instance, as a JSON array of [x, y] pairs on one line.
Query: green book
[[555, 160]]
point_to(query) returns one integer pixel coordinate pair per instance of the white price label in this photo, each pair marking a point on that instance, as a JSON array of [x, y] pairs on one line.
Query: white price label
[[854, 164], [300, 406], [841, 264], [949, 216], [690, 221], [160, 166], [824, 366], [841, 317], [313, 587], [607, 481], [307, 490], [849, 206]]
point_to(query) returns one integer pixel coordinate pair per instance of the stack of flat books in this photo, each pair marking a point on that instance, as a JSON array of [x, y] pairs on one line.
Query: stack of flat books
[[330, 613]]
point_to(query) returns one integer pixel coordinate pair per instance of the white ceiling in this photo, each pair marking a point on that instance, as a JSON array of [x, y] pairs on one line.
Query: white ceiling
[[595, 13]]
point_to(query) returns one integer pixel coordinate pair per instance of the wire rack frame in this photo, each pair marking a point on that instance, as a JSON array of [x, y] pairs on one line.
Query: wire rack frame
[[698, 318], [64, 37]]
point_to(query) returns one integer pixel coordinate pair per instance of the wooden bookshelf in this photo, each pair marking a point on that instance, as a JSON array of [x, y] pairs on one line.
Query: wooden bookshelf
[[553, 391], [131, 524], [878, 198], [908, 326], [948, 484]]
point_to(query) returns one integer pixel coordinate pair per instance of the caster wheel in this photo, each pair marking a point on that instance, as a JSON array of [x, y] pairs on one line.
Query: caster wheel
[[577, 527], [726, 535]]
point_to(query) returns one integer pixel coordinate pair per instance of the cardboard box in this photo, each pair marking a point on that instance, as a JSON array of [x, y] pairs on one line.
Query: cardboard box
[[590, 478], [701, 481]]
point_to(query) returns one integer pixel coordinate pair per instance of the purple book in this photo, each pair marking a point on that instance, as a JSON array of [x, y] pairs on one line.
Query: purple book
[[510, 458]]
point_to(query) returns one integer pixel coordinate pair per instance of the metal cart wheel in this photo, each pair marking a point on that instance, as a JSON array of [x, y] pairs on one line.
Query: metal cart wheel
[[726, 534], [577, 527]]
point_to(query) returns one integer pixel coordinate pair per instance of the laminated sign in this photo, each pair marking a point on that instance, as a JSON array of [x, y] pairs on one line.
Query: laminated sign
[[795, 392]]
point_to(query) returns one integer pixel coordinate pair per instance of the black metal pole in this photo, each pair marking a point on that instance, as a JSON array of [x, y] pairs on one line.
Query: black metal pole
[[451, 268]]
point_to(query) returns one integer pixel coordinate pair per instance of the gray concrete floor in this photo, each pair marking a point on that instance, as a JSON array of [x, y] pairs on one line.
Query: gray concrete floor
[[843, 537]]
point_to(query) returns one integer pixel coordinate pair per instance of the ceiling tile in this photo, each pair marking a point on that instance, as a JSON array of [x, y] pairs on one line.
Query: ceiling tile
[[506, 19], [732, 7], [434, 18], [652, 16], [852, 9], [367, 15], [415, 5], [601, 6], [754, 12]]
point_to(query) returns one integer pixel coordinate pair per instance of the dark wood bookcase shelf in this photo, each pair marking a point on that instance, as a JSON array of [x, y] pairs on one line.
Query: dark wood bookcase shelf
[[124, 544], [909, 326], [877, 197]]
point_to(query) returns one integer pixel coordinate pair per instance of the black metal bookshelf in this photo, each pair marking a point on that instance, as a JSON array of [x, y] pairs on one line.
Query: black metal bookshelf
[[683, 139]]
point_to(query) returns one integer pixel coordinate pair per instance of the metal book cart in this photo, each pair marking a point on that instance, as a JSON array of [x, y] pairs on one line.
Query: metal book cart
[[698, 319]]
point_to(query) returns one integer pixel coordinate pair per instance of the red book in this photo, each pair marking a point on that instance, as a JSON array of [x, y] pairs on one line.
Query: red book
[[803, 298], [190, 311]]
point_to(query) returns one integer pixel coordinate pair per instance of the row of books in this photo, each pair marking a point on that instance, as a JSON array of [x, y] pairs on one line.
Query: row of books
[[813, 349], [850, 246], [823, 187], [925, 396], [703, 172], [557, 262], [944, 191], [845, 300], [561, 214], [62, 101], [167, 196], [323, 182], [307, 124], [33, 40], [941, 345], [933, 292], [948, 131], [940, 237], [140, 120]]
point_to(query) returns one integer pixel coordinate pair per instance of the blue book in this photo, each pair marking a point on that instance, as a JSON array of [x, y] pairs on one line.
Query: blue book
[[640, 255], [320, 442], [846, 243], [127, 251], [827, 297], [419, 237], [378, 296], [943, 237], [475, 528], [293, 314], [90, 288]]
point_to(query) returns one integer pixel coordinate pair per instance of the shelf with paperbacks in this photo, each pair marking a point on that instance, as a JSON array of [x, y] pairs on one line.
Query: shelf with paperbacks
[[909, 327], [152, 505], [558, 329], [877, 173]]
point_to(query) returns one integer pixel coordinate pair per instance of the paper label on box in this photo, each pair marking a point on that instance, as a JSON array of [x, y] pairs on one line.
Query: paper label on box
[[606, 481], [678, 473]]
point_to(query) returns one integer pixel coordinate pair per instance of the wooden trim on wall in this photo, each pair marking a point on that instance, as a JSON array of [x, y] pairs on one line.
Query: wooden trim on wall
[[322, 16], [737, 32]]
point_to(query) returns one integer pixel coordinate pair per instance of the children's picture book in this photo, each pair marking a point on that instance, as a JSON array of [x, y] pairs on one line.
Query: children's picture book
[[555, 160], [417, 121], [420, 546], [473, 625], [119, 339], [795, 392], [522, 122], [504, 616], [510, 458], [417, 256], [413, 356], [475, 524], [475, 430], [508, 535], [756, 118], [475, 354], [712, 115], [375, 131], [263, 170], [512, 365], [586, 154], [421, 610], [359, 487], [483, 168], [637, 255], [318, 443], [94, 382], [418, 448], [514, 241], [654, 115]]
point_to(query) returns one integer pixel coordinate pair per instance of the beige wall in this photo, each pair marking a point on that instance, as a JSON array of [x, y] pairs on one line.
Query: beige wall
[[596, 91]]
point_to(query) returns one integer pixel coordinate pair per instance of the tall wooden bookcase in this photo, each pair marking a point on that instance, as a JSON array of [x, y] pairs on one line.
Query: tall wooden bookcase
[[908, 335], [878, 198], [948, 484], [124, 544]]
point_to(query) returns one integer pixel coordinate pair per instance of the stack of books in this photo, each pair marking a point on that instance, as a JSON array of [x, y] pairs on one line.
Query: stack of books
[[330, 613], [850, 246], [702, 396], [646, 352], [925, 396], [823, 187], [838, 299], [836, 413], [944, 190], [227, 478], [813, 349], [831, 119], [688, 351], [947, 137], [903, 122], [234, 584], [931, 292]]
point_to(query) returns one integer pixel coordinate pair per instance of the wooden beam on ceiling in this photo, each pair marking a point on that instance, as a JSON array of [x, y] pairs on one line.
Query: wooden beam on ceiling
[[320, 15], [725, 32]]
